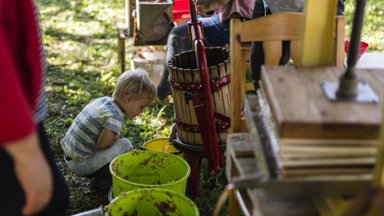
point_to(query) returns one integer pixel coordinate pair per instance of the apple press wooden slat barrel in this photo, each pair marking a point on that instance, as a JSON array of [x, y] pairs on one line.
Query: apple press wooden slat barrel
[[185, 81]]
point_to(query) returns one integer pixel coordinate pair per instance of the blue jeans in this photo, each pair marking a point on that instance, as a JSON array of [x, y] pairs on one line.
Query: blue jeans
[[215, 34]]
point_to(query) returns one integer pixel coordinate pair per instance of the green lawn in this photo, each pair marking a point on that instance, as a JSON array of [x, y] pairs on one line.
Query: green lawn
[[80, 39]]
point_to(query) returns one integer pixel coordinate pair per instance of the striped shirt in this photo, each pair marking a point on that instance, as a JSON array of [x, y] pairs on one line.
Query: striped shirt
[[42, 109], [80, 140]]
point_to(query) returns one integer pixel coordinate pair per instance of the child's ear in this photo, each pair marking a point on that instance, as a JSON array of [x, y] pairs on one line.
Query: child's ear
[[127, 99]]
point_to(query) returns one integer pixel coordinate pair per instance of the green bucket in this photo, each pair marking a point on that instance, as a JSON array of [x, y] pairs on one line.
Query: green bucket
[[152, 201], [148, 169]]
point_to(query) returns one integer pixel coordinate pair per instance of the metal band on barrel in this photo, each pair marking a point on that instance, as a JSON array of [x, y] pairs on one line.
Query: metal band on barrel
[[223, 123], [216, 84]]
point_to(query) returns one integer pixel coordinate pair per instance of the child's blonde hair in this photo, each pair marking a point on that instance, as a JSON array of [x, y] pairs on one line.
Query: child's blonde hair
[[135, 84]]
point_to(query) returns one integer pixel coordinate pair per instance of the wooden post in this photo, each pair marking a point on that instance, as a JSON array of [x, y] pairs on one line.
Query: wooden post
[[339, 40], [237, 78], [121, 48], [129, 7], [378, 180], [319, 25], [233, 205]]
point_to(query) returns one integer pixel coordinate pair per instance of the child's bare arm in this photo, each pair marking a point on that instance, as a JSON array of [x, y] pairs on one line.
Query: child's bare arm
[[106, 138]]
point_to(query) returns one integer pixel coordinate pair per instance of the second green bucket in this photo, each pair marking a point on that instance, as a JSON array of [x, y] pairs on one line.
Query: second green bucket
[[152, 201], [149, 169]]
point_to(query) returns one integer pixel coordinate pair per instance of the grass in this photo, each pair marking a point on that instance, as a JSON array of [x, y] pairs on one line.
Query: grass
[[81, 44]]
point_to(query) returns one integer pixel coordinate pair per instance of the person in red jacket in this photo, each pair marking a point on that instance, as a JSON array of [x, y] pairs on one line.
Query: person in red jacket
[[30, 182]]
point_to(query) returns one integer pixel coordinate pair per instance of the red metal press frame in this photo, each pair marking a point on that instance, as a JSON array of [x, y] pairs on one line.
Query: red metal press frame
[[203, 102]]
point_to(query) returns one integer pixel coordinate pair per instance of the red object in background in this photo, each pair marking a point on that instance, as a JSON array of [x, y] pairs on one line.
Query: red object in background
[[181, 11], [363, 48]]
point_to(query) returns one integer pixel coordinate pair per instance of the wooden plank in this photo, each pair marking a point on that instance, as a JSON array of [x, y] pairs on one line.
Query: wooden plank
[[173, 74], [226, 68], [177, 74], [121, 49], [328, 171], [216, 98], [327, 162], [190, 114], [327, 142], [240, 145], [276, 27], [295, 49], [237, 82], [227, 92], [271, 206], [196, 79], [268, 92], [378, 173], [186, 60], [230, 168], [240, 158], [255, 136], [347, 179], [301, 110], [326, 151], [289, 26], [272, 57], [318, 27], [233, 204], [130, 5], [338, 60]]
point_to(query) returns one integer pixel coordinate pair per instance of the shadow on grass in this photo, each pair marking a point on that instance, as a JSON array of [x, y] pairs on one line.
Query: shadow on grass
[[86, 39]]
